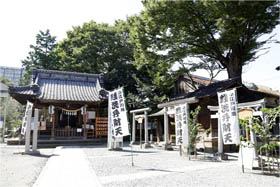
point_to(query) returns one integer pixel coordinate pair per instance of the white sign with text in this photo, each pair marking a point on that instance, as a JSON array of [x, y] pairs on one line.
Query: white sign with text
[[229, 116]]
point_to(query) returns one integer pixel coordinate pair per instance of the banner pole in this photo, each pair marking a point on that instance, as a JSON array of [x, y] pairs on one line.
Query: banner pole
[[189, 140], [242, 157], [132, 163]]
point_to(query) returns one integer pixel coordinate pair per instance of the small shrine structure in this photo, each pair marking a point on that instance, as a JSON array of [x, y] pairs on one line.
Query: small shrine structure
[[71, 105]]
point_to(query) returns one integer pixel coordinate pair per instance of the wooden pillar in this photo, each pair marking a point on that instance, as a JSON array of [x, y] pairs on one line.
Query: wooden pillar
[[53, 123], [133, 128], [85, 126], [158, 130], [165, 126], [97, 113], [146, 127], [141, 134]]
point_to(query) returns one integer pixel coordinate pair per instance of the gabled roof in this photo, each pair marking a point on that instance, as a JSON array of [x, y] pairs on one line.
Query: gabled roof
[[53, 85], [200, 80], [210, 90]]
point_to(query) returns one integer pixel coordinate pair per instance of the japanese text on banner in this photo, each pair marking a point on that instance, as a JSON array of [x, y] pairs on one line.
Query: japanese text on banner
[[181, 124], [229, 116], [118, 115], [29, 106]]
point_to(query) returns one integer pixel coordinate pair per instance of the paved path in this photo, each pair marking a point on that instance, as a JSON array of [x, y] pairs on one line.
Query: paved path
[[68, 167]]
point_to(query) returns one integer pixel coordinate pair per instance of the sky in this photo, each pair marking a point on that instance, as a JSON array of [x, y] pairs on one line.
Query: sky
[[21, 21]]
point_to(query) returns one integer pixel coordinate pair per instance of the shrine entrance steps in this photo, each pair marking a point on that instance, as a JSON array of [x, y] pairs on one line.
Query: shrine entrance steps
[[49, 143]]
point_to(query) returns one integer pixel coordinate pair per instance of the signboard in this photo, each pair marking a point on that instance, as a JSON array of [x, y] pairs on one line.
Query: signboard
[[29, 106], [181, 124], [91, 115], [245, 113], [118, 123], [229, 116]]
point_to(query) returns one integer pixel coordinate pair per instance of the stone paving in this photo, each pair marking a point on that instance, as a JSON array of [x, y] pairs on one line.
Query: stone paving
[[95, 166], [166, 168], [68, 167], [18, 169]]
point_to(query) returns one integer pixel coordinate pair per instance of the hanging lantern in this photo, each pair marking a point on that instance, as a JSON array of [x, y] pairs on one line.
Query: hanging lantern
[[83, 110], [51, 109]]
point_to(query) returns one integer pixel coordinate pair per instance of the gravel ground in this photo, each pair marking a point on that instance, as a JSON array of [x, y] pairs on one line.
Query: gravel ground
[[166, 168], [18, 169]]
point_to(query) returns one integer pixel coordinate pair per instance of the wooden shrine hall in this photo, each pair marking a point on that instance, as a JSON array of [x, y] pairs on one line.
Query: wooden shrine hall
[[60, 97]]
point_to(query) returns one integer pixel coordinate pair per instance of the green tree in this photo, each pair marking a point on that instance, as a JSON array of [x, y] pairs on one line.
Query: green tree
[[194, 129], [222, 32], [103, 49], [41, 55], [6, 81], [14, 114], [268, 144]]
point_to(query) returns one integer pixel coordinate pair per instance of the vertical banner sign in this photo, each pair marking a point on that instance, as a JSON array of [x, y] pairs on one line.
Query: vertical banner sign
[[118, 114], [229, 116], [29, 106], [111, 138], [181, 124]]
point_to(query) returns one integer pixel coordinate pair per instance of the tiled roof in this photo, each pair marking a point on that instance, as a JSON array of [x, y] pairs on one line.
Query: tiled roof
[[23, 90], [200, 80], [62, 86], [209, 90]]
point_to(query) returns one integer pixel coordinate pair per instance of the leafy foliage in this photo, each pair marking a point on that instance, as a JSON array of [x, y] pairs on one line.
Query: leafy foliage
[[194, 128], [262, 128], [100, 48], [14, 113], [41, 56], [224, 33], [6, 81]]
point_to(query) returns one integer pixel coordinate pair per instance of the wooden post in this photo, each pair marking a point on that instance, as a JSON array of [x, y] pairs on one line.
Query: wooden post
[[166, 127], [85, 126], [35, 131], [158, 133], [146, 128], [53, 121], [180, 149], [141, 135]]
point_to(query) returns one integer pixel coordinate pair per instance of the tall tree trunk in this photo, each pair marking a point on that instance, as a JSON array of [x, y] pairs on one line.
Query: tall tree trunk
[[234, 69]]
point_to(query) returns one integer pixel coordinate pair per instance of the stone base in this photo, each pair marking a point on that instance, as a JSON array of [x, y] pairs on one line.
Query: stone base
[[27, 153], [168, 147], [33, 153], [221, 156], [146, 145], [115, 149]]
